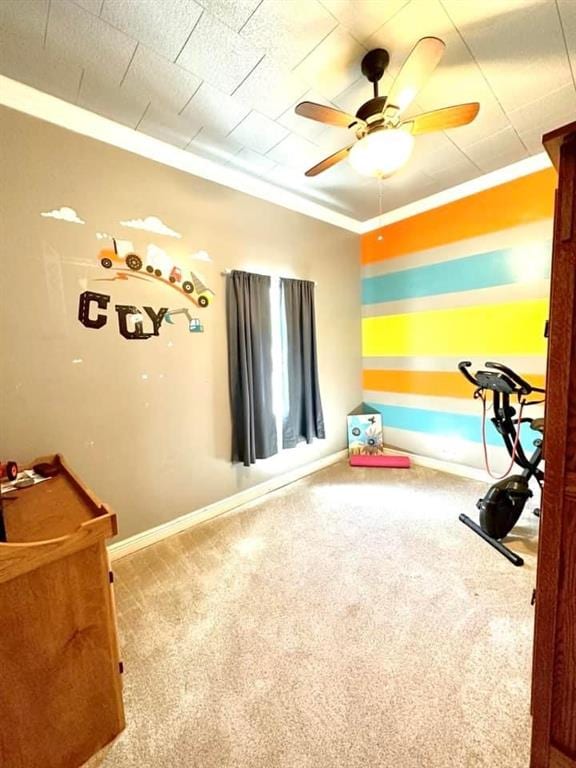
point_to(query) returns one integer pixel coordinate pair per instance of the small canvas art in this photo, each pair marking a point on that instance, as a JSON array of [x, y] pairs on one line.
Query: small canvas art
[[365, 434]]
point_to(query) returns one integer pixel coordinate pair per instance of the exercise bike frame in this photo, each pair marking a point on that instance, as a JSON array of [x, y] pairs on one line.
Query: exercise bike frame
[[504, 383]]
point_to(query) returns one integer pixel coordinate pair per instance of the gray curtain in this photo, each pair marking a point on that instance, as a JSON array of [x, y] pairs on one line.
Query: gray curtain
[[250, 367], [303, 418]]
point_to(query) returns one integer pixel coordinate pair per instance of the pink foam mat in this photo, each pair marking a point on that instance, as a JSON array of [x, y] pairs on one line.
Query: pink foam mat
[[397, 462]]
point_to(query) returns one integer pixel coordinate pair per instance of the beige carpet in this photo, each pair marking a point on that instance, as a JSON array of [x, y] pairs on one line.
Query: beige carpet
[[348, 620]]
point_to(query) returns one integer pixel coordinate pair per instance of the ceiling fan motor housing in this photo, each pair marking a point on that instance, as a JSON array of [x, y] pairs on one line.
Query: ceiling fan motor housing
[[371, 108], [374, 64]]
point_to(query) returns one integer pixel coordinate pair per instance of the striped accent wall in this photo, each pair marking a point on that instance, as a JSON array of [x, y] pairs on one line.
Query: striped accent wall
[[466, 281]]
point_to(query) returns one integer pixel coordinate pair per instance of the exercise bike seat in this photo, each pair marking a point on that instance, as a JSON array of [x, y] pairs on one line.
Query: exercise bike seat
[[537, 425]]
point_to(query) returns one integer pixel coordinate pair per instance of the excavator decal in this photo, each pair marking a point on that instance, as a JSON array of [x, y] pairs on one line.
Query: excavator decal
[[194, 324]]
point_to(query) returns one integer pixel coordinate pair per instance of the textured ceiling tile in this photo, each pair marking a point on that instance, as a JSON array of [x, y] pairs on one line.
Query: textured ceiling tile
[[489, 120], [333, 139], [85, 40], [218, 55], [419, 18], [363, 17], [342, 179], [94, 6], [295, 181], [153, 78], [163, 25], [334, 65], [568, 17], [361, 202], [26, 18], [258, 133], [270, 89], [537, 118], [519, 46], [110, 101], [214, 147], [436, 156], [397, 194], [234, 13], [308, 129], [288, 29], [36, 67], [251, 161], [497, 150], [217, 112], [169, 127], [296, 152], [351, 99]]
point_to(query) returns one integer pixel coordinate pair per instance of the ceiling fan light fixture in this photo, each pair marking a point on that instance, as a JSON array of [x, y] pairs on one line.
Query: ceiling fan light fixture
[[382, 152]]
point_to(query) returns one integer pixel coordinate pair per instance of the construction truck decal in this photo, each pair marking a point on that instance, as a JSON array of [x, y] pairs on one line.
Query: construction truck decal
[[125, 262]]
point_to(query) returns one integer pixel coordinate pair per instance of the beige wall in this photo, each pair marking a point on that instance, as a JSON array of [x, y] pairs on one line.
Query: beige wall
[[146, 423]]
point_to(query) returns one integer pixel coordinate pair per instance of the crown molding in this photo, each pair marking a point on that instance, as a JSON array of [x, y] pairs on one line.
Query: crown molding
[[35, 103], [24, 98], [487, 181]]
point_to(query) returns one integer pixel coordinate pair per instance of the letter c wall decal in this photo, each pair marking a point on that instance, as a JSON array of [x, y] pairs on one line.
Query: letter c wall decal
[[86, 298]]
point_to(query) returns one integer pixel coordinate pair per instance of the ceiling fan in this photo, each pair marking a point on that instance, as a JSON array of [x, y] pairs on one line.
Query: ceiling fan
[[384, 139]]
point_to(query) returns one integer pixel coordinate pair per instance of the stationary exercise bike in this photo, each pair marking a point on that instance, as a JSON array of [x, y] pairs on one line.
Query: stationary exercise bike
[[501, 507]]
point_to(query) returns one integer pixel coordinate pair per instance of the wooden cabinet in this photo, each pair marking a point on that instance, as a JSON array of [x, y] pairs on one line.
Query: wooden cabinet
[[60, 677], [554, 669]]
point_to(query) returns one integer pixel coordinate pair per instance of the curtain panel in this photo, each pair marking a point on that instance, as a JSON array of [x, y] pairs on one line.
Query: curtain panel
[[303, 418], [250, 367]]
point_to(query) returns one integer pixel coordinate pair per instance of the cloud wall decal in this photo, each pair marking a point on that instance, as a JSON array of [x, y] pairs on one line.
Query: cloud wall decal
[[151, 224], [201, 256], [63, 214]]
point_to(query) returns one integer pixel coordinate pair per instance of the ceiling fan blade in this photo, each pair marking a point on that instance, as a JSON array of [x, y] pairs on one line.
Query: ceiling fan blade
[[325, 114], [441, 119], [328, 162], [421, 62]]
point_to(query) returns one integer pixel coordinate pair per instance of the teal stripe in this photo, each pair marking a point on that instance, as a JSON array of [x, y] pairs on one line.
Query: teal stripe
[[482, 270], [445, 424]]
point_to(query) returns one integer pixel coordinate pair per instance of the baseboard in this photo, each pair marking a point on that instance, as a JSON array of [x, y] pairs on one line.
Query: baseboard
[[179, 524], [452, 468]]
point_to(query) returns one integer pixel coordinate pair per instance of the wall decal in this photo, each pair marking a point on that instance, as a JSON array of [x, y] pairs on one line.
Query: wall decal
[[201, 256], [124, 312], [158, 265], [63, 214], [86, 299], [151, 224], [124, 263], [103, 236], [194, 324]]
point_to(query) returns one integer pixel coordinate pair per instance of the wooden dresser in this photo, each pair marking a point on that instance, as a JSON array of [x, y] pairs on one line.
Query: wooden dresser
[[554, 668], [60, 674]]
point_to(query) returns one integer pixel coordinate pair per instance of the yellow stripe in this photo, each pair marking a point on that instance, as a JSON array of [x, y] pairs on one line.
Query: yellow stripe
[[501, 329]]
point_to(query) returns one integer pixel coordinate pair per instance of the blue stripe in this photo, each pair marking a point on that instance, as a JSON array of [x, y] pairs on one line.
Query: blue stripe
[[482, 270], [443, 423]]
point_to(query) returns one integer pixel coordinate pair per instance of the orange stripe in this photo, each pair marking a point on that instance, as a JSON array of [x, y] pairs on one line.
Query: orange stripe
[[521, 201], [441, 383]]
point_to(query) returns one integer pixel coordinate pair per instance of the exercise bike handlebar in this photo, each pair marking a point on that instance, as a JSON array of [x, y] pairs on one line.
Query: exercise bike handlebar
[[525, 388], [463, 368]]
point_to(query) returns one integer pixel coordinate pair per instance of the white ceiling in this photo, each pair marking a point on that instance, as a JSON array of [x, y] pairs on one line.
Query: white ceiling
[[220, 78]]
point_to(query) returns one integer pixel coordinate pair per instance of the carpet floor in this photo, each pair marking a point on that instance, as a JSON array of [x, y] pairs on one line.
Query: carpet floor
[[346, 621]]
